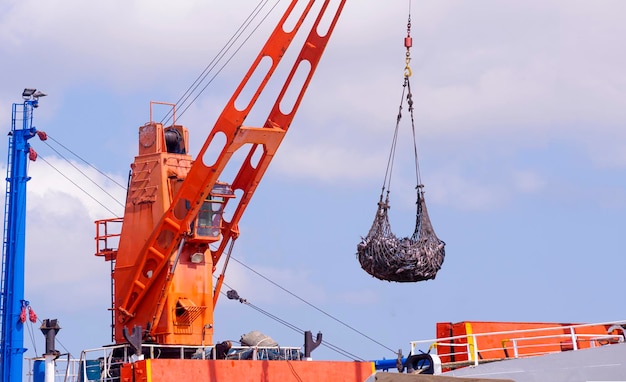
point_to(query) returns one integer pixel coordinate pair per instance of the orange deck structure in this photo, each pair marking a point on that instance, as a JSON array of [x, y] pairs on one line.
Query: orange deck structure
[[471, 342], [245, 371]]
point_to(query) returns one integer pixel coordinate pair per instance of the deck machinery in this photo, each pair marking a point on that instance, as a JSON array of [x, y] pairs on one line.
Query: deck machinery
[[182, 213], [174, 229]]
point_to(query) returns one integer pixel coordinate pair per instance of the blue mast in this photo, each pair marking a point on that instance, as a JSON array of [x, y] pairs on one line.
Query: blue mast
[[13, 249]]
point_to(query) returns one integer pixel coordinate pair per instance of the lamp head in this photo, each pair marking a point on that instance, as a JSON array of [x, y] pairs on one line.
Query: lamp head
[[27, 93]]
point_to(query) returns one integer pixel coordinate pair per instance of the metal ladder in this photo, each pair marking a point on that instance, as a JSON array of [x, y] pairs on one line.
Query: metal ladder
[[6, 212]]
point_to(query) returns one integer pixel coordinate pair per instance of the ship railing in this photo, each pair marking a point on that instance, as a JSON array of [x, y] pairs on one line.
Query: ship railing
[[572, 342], [66, 368], [104, 364], [264, 353], [475, 348]]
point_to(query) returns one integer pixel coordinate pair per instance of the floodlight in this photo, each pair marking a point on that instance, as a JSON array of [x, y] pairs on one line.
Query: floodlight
[[39, 94], [27, 93]]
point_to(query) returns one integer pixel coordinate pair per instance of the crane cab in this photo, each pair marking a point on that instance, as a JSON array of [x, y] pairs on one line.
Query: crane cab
[[208, 223]]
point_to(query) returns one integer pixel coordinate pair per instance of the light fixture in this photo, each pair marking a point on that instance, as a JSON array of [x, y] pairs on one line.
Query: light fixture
[[32, 96], [27, 93], [197, 258]]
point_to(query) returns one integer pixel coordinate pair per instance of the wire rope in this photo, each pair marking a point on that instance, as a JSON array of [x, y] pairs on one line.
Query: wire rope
[[86, 176], [417, 164], [74, 183], [202, 76], [221, 54], [31, 335], [312, 306], [327, 344], [82, 160], [392, 152]]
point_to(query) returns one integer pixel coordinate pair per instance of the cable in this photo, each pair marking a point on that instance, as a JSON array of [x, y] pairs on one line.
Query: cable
[[84, 161], [314, 307], [408, 42], [85, 175], [417, 165], [80, 188], [31, 334], [31, 331], [327, 344], [392, 151], [227, 61], [192, 88]]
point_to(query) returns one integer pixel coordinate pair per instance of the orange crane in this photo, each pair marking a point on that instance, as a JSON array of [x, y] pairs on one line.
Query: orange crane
[[163, 267]]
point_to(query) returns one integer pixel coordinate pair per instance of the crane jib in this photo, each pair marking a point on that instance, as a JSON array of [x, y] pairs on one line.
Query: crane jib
[[144, 283]]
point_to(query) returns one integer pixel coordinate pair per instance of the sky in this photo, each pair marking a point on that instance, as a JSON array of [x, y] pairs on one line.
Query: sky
[[519, 113]]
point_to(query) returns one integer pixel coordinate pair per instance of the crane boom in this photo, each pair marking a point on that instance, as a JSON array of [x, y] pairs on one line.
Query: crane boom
[[161, 278]]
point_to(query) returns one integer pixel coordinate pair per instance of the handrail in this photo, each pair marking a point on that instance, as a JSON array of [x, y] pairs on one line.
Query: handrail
[[77, 369], [472, 350]]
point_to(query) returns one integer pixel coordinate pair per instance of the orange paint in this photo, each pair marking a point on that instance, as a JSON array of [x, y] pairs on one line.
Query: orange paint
[[163, 275], [536, 338], [246, 371]]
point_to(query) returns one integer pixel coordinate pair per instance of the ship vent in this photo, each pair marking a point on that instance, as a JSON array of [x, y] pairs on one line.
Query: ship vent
[[187, 312]]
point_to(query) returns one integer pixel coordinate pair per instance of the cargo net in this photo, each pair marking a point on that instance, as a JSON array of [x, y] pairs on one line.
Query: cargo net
[[381, 253], [410, 259]]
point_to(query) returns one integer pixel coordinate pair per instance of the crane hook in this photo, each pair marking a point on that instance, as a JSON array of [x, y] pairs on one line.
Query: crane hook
[[408, 42]]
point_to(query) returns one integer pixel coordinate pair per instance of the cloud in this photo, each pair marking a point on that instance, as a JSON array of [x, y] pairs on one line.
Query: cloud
[[549, 81], [329, 163], [456, 188], [256, 289], [98, 193], [63, 279], [515, 102], [526, 181], [130, 44], [60, 229]]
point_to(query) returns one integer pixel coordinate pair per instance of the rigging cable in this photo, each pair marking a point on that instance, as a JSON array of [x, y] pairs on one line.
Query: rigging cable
[[56, 339], [232, 294], [406, 86], [313, 306], [86, 176], [202, 76], [183, 98], [79, 187], [408, 43], [81, 159], [392, 152], [220, 55], [31, 335]]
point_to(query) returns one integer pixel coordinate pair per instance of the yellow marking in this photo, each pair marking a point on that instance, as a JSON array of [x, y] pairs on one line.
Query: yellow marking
[[470, 341], [148, 371]]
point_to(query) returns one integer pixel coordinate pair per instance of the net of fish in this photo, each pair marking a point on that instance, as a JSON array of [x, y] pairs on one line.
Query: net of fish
[[388, 257]]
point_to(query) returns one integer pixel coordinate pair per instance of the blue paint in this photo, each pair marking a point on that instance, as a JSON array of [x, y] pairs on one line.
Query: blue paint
[[13, 250]]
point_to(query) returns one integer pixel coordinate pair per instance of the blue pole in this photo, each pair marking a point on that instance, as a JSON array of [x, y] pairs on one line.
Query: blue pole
[[12, 341]]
